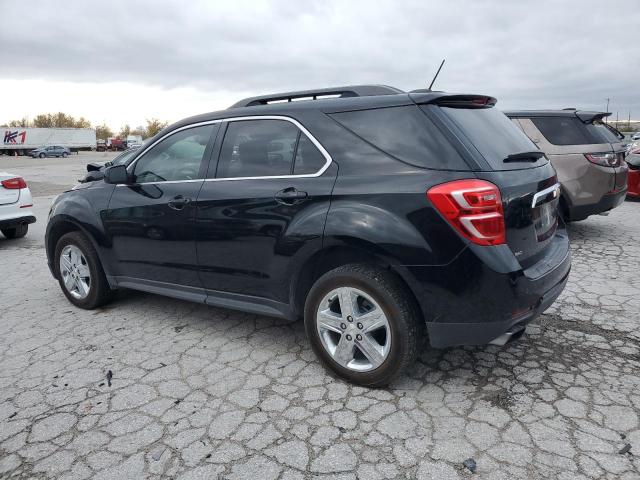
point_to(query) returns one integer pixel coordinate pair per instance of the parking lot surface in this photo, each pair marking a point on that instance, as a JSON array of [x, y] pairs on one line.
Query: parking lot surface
[[154, 387]]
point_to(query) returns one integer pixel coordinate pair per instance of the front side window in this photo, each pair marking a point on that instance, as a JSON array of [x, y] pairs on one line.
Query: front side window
[[258, 148], [177, 157]]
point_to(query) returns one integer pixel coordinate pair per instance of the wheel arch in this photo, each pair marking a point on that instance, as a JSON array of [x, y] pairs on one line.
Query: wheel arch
[[60, 226], [334, 256]]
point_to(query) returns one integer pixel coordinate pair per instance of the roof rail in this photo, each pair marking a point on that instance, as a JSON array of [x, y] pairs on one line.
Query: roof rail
[[334, 92]]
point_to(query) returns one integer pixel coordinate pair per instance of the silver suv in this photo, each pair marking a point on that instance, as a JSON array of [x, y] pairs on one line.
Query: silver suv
[[587, 153]]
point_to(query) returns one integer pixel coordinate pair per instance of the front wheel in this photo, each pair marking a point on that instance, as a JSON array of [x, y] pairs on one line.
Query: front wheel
[[65, 155], [80, 273], [42, 155], [16, 232], [363, 324]]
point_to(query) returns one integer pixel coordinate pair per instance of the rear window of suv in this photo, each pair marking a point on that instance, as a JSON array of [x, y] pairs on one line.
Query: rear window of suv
[[404, 133], [572, 131], [493, 135]]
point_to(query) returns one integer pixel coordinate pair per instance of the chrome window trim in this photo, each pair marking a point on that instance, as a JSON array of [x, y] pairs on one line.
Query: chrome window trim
[[546, 191], [318, 145]]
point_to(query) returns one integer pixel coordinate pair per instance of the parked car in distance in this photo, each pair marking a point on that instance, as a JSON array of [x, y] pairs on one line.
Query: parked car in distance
[[379, 216], [633, 162], [587, 154], [15, 206], [635, 136], [51, 151]]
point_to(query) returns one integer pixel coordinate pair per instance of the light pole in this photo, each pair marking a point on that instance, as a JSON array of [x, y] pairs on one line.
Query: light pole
[[607, 110]]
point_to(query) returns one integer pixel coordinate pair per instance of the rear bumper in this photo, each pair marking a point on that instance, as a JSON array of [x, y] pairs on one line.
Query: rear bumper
[[606, 203], [481, 333], [14, 222], [484, 293]]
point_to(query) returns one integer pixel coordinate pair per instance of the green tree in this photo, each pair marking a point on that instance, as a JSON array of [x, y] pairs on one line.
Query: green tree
[[154, 126], [103, 132]]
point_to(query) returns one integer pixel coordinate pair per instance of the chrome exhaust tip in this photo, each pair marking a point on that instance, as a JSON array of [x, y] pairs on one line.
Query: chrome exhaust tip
[[515, 333]]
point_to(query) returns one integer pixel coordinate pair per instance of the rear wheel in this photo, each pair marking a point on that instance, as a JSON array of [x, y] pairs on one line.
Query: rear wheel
[[362, 324], [65, 155], [80, 273], [16, 232]]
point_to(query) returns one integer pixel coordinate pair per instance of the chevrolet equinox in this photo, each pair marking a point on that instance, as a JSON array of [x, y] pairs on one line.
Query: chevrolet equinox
[[381, 217]]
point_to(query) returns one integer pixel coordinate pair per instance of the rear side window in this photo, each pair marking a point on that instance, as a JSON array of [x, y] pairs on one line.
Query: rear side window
[[599, 130], [406, 134], [563, 130], [257, 148], [308, 158]]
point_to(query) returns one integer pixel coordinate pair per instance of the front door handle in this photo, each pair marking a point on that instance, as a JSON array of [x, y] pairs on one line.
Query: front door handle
[[290, 195], [178, 202]]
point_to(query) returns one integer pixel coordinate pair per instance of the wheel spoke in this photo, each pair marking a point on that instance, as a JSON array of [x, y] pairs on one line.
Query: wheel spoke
[[66, 263], [329, 321], [82, 287], [69, 282], [371, 349], [347, 301], [83, 270], [344, 351], [74, 257], [372, 320]]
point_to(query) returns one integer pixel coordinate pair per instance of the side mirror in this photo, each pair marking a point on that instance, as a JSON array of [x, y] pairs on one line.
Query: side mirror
[[116, 174]]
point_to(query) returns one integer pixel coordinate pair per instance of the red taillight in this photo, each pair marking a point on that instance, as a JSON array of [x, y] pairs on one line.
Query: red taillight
[[473, 208], [605, 159], [14, 183]]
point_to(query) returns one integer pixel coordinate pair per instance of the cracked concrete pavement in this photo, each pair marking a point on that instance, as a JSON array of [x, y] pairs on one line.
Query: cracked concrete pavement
[[200, 392]]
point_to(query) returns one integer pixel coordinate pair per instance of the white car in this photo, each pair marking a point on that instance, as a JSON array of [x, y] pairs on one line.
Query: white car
[[16, 206], [636, 136]]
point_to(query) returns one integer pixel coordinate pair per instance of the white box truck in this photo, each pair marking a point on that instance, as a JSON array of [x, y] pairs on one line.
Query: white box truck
[[19, 141]]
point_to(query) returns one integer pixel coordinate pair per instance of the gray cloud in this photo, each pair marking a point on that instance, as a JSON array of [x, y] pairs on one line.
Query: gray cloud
[[528, 54]]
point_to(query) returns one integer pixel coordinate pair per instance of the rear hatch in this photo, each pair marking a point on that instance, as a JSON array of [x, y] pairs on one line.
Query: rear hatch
[[500, 153], [8, 195], [600, 132]]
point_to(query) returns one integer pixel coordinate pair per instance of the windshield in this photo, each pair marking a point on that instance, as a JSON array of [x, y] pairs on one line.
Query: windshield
[[493, 135], [124, 157]]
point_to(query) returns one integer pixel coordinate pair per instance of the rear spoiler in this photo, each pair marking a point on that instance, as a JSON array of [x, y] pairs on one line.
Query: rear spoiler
[[590, 117], [452, 100]]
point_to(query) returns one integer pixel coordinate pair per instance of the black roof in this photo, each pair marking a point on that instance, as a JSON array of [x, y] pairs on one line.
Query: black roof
[[318, 94], [328, 100]]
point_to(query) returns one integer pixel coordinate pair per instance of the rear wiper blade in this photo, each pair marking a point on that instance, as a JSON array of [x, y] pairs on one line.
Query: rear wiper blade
[[524, 156]]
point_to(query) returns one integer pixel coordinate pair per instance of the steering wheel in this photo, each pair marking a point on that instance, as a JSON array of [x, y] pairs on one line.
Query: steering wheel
[[186, 173]]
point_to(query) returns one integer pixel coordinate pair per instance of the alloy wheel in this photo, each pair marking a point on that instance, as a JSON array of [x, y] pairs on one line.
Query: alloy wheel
[[75, 272], [353, 329]]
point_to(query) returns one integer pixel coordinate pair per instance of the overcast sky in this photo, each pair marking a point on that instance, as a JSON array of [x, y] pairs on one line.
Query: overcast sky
[[124, 61]]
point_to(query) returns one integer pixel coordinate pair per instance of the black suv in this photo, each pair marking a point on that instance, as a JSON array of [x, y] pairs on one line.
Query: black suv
[[373, 213]]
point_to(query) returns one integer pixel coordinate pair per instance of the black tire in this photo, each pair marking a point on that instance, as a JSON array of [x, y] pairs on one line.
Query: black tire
[[406, 325], [16, 232], [99, 291], [65, 155], [42, 155]]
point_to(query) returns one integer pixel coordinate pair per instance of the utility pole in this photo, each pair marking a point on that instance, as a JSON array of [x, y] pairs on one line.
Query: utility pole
[[607, 110]]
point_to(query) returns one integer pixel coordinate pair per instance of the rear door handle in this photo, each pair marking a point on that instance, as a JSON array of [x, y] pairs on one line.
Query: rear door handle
[[178, 202], [290, 195]]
